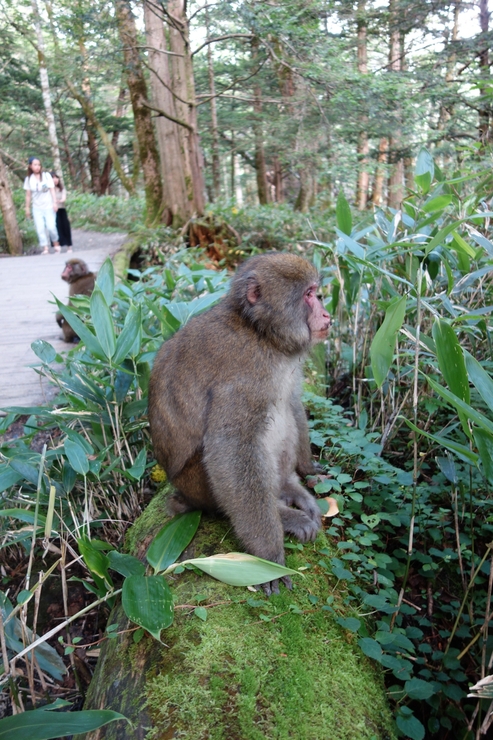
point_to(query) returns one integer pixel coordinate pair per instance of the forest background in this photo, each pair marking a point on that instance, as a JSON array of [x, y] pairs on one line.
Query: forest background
[[359, 134]]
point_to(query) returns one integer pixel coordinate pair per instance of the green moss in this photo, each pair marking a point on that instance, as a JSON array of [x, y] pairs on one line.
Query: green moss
[[298, 675], [256, 668]]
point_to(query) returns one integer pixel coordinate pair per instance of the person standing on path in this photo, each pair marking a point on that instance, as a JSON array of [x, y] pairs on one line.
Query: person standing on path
[[62, 222], [40, 191]]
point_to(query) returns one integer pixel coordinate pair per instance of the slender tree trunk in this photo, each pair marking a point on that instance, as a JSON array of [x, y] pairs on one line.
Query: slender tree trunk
[[148, 152], [45, 89], [92, 141], [396, 180], [260, 167], [377, 196], [216, 177], [7, 207], [278, 189], [184, 89], [66, 148], [446, 110], [363, 144], [484, 66], [106, 172]]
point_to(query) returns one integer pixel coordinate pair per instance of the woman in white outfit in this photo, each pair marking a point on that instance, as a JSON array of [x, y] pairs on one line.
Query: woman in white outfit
[[40, 192]]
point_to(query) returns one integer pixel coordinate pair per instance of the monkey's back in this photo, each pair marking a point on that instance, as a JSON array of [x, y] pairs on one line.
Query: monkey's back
[[215, 355]]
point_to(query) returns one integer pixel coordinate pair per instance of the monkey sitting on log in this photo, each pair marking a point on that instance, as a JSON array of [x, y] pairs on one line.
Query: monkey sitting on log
[[81, 282], [225, 411]]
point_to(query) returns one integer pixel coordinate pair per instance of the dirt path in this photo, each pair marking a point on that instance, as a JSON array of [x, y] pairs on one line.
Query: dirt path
[[27, 285]]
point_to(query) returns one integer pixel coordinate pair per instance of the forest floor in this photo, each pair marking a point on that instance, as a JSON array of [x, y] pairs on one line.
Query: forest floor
[[27, 311]]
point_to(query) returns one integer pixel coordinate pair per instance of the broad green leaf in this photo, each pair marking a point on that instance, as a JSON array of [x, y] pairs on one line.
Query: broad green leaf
[[97, 562], [463, 452], [8, 477], [343, 214], [383, 345], [129, 334], [82, 331], [480, 379], [410, 726], [439, 239], [484, 443], [353, 246], [42, 724], [424, 170], [148, 601], [29, 472], [438, 203], [77, 456], [349, 623], [451, 362], [44, 350], [124, 564], [461, 243], [137, 469], [201, 613], [475, 416], [416, 688], [23, 516], [371, 648], [103, 323], [172, 539], [240, 569], [105, 280]]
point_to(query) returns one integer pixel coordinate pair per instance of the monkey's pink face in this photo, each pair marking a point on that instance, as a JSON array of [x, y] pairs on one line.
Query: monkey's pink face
[[67, 272], [318, 318]]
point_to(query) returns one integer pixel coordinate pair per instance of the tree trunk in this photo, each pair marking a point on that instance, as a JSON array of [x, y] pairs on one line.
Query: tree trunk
[[216, 178], [105, 174], [363, 144], [183, 84], [396, 180], [45, 89], [66, 148], [178, 206], [92, 141], [260, 167], [234, 675], [12, 232], [148, 152], [485, 74], [446, 110], [377, 196]]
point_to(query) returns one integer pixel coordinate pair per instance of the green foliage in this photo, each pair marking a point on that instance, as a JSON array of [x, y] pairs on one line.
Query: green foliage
[[46, 724]]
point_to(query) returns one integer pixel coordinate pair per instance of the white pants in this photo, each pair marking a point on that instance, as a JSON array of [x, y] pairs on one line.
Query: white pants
[[45, 219]]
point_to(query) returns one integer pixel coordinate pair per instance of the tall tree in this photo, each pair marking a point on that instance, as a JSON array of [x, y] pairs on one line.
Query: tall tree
[[45, 88], [363, 143], [144, 129], [396, 180], [7, 207]]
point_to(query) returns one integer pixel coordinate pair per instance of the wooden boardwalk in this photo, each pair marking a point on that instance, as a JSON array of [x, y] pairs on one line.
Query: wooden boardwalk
[[27, 285]]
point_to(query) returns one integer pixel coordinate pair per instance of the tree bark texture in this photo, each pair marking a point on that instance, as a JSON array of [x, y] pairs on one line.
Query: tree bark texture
[[45, 89], [216, 175], [106, 172], [396, 179], [380, 172], [7, 207], [260, 166], [485, 73], [148, 152], [184, 89], [363, 144], [178, 206], [299, 674]]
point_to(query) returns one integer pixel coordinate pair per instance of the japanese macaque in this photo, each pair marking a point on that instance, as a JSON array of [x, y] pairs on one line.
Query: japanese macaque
[[81, 282], [225, 411]]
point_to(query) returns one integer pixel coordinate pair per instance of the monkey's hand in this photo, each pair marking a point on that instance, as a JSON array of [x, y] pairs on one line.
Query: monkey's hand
[[272, 587]]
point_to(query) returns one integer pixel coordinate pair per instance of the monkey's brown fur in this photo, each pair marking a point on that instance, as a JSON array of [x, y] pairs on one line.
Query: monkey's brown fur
[[225, 408], [76, 273]]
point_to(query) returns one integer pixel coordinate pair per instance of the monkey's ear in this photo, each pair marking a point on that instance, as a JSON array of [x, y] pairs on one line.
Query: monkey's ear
[[253, 290]]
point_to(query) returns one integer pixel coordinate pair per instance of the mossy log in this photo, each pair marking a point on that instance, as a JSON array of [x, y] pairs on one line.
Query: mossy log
[[272, 668]]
